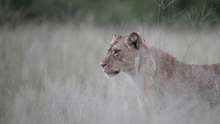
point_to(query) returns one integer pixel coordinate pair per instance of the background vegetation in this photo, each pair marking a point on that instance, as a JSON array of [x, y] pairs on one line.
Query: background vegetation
[[102, 12]]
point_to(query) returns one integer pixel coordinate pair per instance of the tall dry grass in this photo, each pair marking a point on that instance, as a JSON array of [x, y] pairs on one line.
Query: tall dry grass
[[50, 73]]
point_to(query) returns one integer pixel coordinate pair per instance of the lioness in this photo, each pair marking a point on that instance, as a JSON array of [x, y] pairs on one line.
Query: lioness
[[149, 67]]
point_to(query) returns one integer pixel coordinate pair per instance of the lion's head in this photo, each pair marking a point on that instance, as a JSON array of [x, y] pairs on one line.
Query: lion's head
[[121, 54]]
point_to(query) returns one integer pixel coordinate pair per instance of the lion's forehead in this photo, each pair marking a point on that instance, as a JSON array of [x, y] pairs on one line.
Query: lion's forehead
[[117, 43], [114, 47]]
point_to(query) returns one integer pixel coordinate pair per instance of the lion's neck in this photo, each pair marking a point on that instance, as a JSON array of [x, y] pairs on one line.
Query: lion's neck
[[143, 71], [148, 61]]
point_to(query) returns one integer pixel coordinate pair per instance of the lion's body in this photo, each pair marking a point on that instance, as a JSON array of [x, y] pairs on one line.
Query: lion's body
[[170, 70], [150, 67]]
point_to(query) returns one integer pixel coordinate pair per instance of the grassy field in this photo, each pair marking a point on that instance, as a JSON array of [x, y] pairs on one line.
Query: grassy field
[[50, 74]]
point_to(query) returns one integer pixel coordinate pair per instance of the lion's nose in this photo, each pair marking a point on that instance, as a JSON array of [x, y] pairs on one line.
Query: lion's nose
[[103, 64]]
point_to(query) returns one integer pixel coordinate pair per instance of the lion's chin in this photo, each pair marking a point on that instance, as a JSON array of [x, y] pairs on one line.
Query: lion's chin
[[109, 75]]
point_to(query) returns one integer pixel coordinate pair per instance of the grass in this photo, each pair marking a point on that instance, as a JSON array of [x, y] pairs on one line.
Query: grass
[[50, 73]]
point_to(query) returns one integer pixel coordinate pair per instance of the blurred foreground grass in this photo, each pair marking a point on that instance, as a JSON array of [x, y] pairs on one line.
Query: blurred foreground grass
[[49, 73]]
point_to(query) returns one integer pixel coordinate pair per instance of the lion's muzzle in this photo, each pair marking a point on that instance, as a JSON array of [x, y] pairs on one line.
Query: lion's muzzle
[[102, 64]]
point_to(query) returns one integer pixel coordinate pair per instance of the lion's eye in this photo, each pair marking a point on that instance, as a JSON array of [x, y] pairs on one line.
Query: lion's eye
[[116, 51]]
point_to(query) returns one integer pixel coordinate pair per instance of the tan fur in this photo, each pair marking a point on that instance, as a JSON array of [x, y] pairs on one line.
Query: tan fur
[[148, 66]]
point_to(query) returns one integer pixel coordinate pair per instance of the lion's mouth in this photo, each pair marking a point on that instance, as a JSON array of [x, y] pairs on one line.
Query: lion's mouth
[[116, 72], [112, 73]]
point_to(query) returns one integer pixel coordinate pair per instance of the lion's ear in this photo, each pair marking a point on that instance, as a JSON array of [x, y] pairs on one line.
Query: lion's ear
[[134, 41], [116, 36]]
